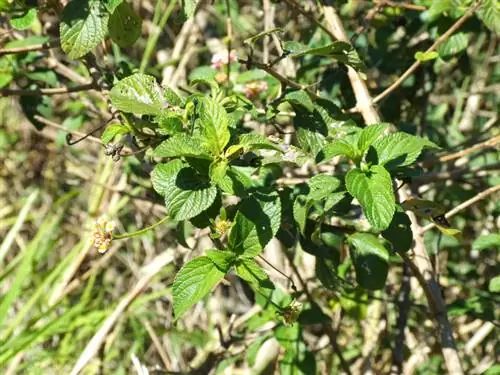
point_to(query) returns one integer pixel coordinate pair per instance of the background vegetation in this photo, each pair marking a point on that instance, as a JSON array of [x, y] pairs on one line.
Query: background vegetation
[[247, 101]]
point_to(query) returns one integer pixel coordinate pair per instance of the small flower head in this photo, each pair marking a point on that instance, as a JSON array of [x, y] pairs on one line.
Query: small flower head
[[222, 58], [103, 234], [291, 313], [253, 89]]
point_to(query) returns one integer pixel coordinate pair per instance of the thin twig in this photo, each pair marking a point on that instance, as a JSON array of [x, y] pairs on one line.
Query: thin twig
[[311, 17], [49, 91], [486, 144], [394, 4], [464, 205], [34, 47], [434, 46], [285, 81]]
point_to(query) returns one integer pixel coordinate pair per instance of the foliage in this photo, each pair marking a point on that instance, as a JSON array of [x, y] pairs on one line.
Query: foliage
[[260, 151]]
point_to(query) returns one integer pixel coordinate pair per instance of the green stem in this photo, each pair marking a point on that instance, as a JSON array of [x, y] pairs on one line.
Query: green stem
[[139, 232], [155, 34]]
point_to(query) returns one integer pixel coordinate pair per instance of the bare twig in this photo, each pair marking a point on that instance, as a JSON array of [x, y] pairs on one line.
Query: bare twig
[[285, 81], [34, 47], [486, 144], [464, 205], [311, 17], [49, 91], [434, 46]]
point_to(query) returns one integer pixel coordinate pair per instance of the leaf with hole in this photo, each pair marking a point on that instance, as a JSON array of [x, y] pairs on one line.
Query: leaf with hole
[[139, 94], [124, 25]]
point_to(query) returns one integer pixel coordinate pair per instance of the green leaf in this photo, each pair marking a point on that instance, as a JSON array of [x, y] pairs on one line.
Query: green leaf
[[84, 25], [182, 145], [223, 259], [341, 51], [214, 125], [371, 260], [369, 134], [426, 56], [189, 7], [124, 25], [203, 74], [398, 150], [218, 171], [256, 223], [112, 4], [374, 192], [25, 21], [339, 147], [139, 94], [455, 44], [250, 271], [193, 282], [399, 232], [494, 285], [489, 13], [112, 131], [487, 241], [186, 193], [300, 98], [253, 141]]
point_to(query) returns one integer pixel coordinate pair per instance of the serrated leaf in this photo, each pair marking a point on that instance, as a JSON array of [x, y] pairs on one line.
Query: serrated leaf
[[338, 147], [112, 4], [454, 45], [489, 13], [370, 134], [223, 259], [214, 125], [398, 150], [256, 277], [371, 260], [321, 186], [182, 145], [124, 25], [399, 232], [139, 94], [256, 223], [112, 131], [186, 193], [426, 56], [24, 21], [341, 51], [374, 192], [203, 74], [193, 282], [300, 98], [84, 24], [487, 241], [253, 141], [218, 171]]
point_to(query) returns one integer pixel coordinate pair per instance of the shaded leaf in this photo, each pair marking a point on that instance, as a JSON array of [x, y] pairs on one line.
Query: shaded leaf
[[371, 260]]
